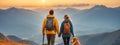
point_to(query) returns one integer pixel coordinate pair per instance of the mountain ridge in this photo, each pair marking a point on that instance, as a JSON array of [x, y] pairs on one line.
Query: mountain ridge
[[19, 21], [101, 39], [13, 40], [109, 38]]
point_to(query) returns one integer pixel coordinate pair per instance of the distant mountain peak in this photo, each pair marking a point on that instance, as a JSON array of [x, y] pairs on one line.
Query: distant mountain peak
[[118, 7], [69, 8], [96, 7], [20, 10], [12, 8], [99, 6]]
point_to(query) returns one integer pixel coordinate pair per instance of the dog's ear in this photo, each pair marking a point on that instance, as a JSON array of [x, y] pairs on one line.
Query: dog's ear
[[72, 40]]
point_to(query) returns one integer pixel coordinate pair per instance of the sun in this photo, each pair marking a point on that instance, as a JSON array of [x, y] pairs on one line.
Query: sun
[[43, 1]]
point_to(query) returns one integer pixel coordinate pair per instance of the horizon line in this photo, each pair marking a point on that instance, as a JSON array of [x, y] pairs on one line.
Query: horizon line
[[51, 7]]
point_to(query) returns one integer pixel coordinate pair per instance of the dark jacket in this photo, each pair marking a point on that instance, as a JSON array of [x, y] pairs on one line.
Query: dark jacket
[[62, 28]]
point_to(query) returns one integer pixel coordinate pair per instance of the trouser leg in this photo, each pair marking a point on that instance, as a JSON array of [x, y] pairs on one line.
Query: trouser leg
[[52, 39], [68, 40], [64, 40], [48, 39]]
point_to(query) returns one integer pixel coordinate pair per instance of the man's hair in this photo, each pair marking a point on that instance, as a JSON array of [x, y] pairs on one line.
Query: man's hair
[[51, 12]]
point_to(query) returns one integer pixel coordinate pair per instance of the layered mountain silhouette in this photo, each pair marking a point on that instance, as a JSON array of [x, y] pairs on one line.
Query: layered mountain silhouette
[[27, 23], [97, 19], [13, 40], [17, 21], [111, 38], [3, 37], [4, 40], [17, 39]]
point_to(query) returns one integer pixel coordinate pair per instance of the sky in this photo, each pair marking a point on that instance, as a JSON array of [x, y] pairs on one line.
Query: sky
[[32, 4]]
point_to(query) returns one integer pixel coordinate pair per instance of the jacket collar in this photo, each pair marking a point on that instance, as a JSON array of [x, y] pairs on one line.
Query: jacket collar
[[50, 16]]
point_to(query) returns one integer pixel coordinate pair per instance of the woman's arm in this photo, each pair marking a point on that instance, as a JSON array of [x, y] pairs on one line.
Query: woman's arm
[[71, 28], [61, 28]]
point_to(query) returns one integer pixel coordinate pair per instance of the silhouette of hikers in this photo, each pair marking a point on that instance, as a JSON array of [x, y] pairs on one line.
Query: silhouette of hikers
[[50, 27], [66, 30]]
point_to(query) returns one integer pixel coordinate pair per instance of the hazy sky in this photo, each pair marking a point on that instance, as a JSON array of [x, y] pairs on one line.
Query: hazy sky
[[57, 3]]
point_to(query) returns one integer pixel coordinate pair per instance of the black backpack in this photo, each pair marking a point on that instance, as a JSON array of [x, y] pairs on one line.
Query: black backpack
[[50, 24]]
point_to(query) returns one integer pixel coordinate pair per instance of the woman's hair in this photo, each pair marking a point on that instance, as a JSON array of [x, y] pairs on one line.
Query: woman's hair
[[51, 12], [67, 17]]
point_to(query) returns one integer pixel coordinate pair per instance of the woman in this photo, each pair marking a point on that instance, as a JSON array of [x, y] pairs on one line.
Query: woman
[[66, 30]]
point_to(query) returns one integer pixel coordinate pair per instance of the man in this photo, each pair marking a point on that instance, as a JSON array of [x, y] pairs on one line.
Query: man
[[50, 27]]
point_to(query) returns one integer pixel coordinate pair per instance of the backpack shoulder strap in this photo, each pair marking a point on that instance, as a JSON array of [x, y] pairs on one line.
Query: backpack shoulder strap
[[50, 17]]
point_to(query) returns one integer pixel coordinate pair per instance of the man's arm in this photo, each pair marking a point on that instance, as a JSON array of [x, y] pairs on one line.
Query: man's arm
[[43, 26], [56, 26]]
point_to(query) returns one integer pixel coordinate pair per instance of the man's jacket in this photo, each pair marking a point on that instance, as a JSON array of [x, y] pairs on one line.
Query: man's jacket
[[56, 30]]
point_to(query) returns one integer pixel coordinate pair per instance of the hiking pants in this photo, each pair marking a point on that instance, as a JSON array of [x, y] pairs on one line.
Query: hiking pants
[[50, 39], [66, 40]]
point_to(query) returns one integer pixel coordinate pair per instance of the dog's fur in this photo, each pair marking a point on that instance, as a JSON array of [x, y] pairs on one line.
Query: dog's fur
[[75, 41]]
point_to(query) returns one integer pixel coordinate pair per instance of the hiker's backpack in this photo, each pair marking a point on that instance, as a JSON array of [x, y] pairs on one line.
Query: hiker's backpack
[[50, 23], [67, 28]]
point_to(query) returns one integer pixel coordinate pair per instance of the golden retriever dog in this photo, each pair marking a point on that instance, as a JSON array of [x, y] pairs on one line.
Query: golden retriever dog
[[75, 41]]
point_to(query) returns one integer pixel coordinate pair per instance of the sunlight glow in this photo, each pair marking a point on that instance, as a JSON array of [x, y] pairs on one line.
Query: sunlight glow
[[43, 1], [57, 3]]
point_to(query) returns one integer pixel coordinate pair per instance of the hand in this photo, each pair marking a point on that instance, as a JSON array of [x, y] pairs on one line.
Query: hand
[[43, 33], [73, 35], [59, 35]]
